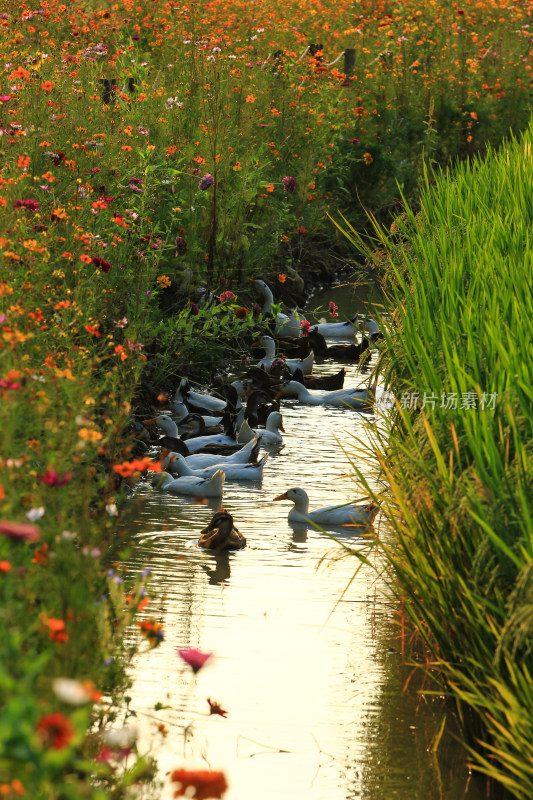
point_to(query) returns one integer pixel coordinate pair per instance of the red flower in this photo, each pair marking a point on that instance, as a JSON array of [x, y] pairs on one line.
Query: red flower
[[92, 330], [19, 530], [215, 708], [105, 266], [32, 205], [55, 730], [51, 478], [194, 658], [206, 783], [241, 312], [305, 327]]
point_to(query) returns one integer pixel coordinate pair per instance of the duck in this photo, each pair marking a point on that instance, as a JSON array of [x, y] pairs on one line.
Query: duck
[[258, 407], [207, 403], [337, 330], [170, 429], [329, 382], [371, 327], [221, 534], [286, 325], [269, 436], [246, 455], [339, 352], [269, 346], [358, 516], [358, 399], [233, 472], [180, 412], [192, 486]]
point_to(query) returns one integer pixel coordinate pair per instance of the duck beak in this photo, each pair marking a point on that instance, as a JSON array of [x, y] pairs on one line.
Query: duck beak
[[256, 344], [149, 421], [280, 427], [278, 396], [281, 497]]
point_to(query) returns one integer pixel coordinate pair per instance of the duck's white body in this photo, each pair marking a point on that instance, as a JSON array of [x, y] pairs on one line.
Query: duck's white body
[[285, 325], [208, 402], [358, 399], [181, 411], [337, 330], [201, 460], [357, 516], [270, 435], [169, 428], [233, 472], [292, 364], [192, 486], [370, 326]]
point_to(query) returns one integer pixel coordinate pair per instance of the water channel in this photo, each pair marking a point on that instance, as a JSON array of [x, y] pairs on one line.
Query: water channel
[[306, 657]]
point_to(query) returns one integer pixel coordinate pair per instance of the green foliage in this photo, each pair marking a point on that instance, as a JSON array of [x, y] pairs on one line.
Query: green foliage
[[461, 478]]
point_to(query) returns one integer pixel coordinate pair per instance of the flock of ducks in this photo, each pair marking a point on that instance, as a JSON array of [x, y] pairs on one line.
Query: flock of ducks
[[209, 439]]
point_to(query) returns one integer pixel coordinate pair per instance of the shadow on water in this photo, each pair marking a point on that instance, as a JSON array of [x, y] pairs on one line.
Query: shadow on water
[[306, 657]]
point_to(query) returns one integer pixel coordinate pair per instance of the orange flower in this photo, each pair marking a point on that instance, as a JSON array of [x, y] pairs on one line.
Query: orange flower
[[367, 158], [92, 330], [86, 259], [47, 86], [269, 187], [282, 278], [126, 147], [250, 98], [5, 566]]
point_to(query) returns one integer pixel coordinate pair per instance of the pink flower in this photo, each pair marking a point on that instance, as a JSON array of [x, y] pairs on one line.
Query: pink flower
[[51, 478], [194, 658], [5, 98], [333, 309], [306, 327], [226, 296], [19, 530]]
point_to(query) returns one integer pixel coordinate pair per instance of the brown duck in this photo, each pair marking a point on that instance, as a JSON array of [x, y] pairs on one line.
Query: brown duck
[[221, 534]]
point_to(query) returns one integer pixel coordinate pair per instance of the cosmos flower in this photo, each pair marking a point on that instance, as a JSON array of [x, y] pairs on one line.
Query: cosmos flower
[[55, 730], [194, 658]]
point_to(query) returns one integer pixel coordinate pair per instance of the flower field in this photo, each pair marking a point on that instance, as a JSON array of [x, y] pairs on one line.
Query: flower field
[[145, 148]]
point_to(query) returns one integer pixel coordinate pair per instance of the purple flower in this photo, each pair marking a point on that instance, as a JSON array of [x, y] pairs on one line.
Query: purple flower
[[206, 182], [289, 184], [193, 308]]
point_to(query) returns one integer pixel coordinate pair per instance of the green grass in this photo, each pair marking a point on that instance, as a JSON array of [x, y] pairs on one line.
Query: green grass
[[460, 288]]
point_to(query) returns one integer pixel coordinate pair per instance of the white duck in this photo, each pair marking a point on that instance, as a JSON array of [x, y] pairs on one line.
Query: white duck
[[188, 485], [180, 411], [337, 330], [285, 325], [206, 401], [169, 428], [201, 460], [371, 327], [360, 516], [233, 472], [270, 435], [269, 345], [358, 399]]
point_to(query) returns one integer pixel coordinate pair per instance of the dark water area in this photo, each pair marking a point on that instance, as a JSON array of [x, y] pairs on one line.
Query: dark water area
[[307, 649]]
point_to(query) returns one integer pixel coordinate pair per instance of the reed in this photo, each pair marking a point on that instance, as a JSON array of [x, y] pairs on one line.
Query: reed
[[458, 460]]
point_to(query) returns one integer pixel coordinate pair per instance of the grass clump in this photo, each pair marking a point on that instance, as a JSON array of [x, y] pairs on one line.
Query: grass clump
[[459, 459]]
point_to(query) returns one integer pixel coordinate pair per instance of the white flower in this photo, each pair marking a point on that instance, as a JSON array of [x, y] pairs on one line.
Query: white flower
[[35, 513], [70, 691], [112, 510]]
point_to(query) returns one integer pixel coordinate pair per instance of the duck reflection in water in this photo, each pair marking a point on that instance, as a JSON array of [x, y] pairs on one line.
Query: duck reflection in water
[[221, 572], [220, 537]]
